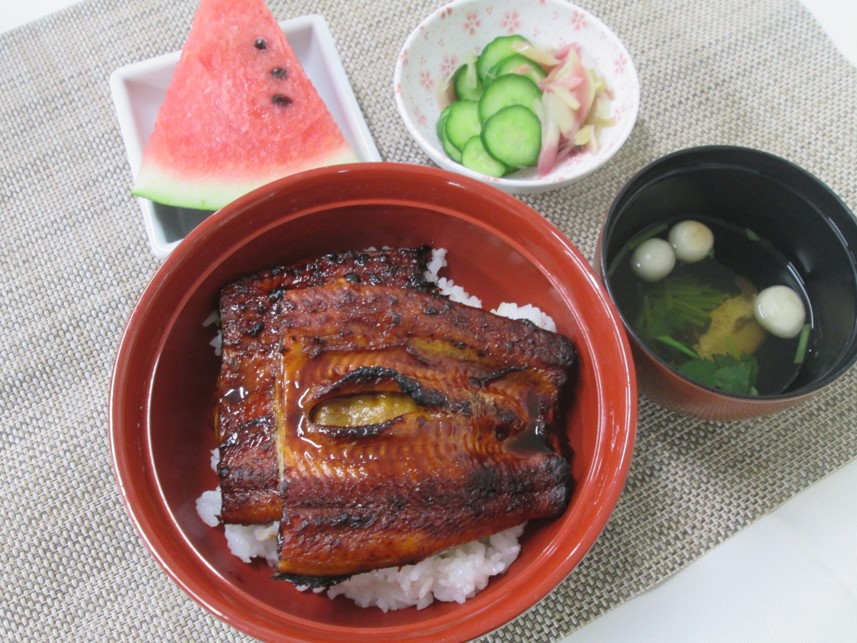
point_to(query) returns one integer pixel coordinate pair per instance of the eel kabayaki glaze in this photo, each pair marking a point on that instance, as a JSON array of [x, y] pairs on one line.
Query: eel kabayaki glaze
[[381, 424]]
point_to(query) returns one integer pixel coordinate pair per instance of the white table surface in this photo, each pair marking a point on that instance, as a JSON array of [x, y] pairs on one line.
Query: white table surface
[[789, 577]]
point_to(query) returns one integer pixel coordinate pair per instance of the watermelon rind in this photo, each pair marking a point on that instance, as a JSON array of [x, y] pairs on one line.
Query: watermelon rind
[[161, 185]]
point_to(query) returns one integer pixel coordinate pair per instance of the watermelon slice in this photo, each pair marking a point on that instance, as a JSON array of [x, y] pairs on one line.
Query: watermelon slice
[[239, 113]]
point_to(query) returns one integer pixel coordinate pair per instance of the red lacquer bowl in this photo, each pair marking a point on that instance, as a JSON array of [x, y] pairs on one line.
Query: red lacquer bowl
[[163, 387]]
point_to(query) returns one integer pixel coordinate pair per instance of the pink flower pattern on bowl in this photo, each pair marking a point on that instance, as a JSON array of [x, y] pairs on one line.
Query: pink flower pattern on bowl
[[578, 20], [460, 29], [511, 22], [448, 66]]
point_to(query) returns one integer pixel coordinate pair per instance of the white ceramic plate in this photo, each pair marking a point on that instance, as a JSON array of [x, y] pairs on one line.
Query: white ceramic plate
[[139, 89], [460, 29]]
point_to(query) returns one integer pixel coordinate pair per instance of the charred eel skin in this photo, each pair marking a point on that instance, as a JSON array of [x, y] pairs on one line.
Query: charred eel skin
[[246, 412], [459, 441], [379, 421]]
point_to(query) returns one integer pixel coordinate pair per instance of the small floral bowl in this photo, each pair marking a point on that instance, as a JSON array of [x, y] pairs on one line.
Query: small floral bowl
[[458, 31]]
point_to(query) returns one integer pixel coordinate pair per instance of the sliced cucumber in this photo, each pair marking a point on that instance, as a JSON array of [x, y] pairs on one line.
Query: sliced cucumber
[[466, 82], [475, 157], [451, 151], [517, 64], [441, 121], [513, 136], [507, 90], [462, 122], [495, 51], [493, 126]]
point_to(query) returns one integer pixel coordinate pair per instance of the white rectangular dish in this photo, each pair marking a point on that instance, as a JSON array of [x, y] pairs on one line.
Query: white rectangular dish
[[138, 90]]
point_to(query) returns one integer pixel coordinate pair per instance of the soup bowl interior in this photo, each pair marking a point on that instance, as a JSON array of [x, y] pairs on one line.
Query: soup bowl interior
[[163, 389], [763, 196]]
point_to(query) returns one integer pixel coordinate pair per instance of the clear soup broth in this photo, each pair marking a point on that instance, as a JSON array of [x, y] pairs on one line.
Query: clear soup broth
[[675, 313]]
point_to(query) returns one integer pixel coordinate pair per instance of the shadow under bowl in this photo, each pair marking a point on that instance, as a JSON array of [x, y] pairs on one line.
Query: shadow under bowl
[[782, 204]]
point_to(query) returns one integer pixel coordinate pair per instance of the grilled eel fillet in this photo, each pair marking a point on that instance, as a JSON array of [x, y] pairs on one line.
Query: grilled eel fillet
[[408, 424], [247, 412], [399, 423]]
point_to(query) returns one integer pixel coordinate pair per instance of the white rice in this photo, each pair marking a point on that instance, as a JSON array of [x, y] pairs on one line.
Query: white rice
[[253, 541], [453, 575], [529, 312], [436, 264], [446, 286], [213, 319], [458, 294], [208, 507]]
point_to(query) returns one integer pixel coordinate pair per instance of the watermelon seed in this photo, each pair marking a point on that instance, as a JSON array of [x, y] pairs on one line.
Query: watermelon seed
[[279, 72], [260, 43], [281, 100]]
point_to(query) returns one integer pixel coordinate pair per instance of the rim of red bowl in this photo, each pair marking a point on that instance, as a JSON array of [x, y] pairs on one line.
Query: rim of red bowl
[[470, 620]]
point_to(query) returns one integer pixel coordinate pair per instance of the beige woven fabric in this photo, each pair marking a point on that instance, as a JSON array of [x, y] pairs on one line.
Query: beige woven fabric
[[74, 258]]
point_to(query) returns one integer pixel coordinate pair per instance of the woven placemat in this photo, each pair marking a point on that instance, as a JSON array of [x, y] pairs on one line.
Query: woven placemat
[[74, 258]]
